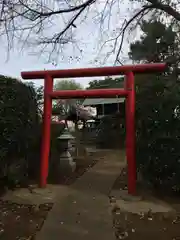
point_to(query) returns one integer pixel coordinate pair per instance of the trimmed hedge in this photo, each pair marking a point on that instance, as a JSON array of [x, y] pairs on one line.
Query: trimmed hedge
[[158, 135], [19, 128]]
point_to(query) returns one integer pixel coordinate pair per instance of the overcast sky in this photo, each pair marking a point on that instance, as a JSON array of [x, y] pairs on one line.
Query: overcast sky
[[87, 36]]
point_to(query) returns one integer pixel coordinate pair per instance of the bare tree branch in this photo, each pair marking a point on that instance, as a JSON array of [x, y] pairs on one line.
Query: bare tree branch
[[139, 13], [166, 8], [60, 11], [49, 25]]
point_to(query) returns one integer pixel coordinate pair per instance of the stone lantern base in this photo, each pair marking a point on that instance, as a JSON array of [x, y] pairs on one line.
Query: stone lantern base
[[66, 163]]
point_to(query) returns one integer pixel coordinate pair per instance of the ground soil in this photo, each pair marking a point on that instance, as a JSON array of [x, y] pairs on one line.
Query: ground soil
[[146, 226], [21, 222]]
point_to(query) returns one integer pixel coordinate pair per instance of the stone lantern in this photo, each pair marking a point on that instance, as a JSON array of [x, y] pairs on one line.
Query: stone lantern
[[67, 165]]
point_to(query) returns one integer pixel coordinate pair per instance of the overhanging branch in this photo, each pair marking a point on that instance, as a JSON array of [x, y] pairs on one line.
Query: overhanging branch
[[60, 11], [166, 8], [142, 11]]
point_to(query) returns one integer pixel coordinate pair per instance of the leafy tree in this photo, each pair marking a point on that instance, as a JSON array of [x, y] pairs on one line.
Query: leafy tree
[[62, 107], [157, 99], [58, 105], [107, 83], [159, 43], [67, 85]]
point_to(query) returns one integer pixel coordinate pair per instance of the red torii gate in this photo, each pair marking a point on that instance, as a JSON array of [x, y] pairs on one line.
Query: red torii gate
[[128, 92]]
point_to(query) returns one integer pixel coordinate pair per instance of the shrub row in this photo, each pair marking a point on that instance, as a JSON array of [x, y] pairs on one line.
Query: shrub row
[[158, 136], [19, 125]]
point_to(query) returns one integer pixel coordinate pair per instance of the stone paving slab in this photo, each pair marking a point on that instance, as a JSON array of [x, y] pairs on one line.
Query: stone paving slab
[[84, 210], [136, 204], [34, 195]]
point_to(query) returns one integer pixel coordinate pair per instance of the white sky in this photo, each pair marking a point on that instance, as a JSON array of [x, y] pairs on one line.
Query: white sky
[[87, 35]]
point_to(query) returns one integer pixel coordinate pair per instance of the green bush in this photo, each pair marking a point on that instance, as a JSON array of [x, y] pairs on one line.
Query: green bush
[[158, 136], [160, 163], [111, 131], [19, 128]]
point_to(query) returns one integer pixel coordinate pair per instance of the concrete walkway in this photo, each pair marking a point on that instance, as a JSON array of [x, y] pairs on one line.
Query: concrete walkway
[[82, 210]]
